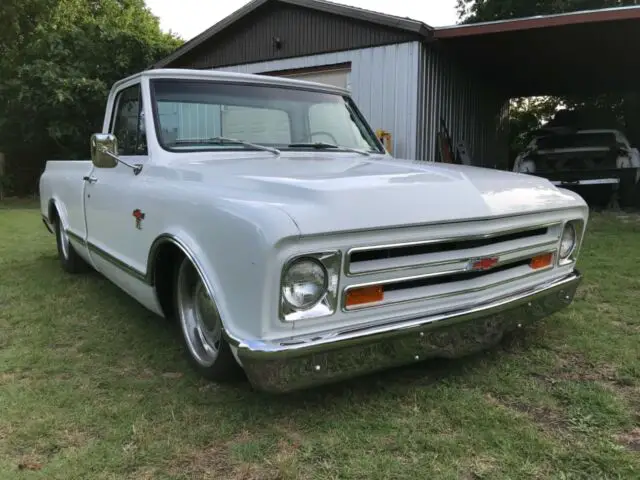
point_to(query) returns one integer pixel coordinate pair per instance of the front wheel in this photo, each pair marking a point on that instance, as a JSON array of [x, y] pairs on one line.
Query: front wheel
[[206, 349]]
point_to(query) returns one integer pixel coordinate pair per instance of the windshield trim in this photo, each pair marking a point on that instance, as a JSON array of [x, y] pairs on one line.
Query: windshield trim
[[156, 117]]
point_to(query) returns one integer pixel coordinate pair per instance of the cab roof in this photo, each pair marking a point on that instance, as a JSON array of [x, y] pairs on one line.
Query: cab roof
[[232, 77]]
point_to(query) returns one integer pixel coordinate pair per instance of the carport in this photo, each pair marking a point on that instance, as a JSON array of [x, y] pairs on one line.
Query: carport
[[583, 53]]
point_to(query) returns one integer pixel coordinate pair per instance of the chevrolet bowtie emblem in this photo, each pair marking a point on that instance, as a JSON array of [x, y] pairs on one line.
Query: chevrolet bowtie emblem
[[481, 264]]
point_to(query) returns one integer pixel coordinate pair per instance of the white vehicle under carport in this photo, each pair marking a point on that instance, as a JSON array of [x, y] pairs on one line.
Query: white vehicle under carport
[[599, 161]]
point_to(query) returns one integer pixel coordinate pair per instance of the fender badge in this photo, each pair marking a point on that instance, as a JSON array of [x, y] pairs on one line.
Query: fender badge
[[139, 216], [482, 264]]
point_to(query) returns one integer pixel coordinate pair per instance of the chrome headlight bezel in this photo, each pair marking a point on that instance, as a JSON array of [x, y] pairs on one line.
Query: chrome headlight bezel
[[577, 225], [327, 303]]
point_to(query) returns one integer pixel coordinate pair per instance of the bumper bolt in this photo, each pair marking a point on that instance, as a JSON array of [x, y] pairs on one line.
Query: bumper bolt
[[417, 357], [317, 368]]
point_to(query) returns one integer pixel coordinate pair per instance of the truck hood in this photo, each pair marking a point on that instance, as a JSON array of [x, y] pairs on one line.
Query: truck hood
[[340, 192]]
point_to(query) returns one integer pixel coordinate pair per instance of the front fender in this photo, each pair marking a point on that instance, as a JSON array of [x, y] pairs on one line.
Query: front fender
[[234, 251]]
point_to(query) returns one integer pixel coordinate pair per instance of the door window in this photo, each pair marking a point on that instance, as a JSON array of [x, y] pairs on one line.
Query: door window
[[128, 125]]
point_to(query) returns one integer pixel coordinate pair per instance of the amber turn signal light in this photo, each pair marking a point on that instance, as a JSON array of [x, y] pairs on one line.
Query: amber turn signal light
[[362, 295], [541, 261]]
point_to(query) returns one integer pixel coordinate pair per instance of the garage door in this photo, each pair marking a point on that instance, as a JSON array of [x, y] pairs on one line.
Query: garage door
[[337, 78]]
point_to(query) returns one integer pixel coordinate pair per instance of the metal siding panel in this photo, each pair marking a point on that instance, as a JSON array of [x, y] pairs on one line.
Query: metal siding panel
[[368, 62], [420, 105], [470, 109], [384, 84], [411, 114]]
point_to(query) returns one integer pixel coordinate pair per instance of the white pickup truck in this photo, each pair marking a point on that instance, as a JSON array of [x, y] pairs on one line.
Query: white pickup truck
[[265, 216]]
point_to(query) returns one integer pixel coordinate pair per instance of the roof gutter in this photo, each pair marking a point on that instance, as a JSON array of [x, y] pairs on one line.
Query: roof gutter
[[541, 21]]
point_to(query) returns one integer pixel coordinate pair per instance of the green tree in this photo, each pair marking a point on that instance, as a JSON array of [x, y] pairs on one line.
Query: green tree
[[474, 11], [59, 59]]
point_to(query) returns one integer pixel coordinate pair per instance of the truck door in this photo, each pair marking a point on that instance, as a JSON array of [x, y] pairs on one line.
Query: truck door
[[115, 203]]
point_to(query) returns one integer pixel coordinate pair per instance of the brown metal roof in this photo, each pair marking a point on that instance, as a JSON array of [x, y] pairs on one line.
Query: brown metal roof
[[583, 52]]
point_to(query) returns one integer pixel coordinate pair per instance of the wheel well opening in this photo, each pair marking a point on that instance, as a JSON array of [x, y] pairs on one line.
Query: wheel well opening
[[165, 265], [53, 213]]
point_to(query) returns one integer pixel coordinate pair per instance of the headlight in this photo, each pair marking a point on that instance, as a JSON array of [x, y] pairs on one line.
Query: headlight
[[309, 286], [304, 283], [568, 241]]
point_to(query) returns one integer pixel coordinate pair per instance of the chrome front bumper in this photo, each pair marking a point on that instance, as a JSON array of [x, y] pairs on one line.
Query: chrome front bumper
[[284, 367]]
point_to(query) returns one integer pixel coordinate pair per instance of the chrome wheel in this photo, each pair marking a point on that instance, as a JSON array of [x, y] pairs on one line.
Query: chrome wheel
[[199, 316], [64, 240]]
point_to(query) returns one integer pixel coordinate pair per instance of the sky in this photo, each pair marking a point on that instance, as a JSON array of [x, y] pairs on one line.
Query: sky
[[188, 18]]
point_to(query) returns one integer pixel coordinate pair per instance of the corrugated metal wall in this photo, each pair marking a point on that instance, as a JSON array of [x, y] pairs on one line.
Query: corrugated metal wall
[[383, 81], [473, 111]]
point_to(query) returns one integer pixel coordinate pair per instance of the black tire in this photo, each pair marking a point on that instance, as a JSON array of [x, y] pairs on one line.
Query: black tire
[[70, 261], [188, 291]]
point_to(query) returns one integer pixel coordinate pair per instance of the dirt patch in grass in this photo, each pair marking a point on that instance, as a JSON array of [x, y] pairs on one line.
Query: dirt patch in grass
[[212, 461], [30, 462], [627, 327], [631, 439], [575, 367], [587, 291], [37, 453], [218, 461], [547, 417], [481, 467], [7, 377], [543, 416], [288, 430], [5, 431]]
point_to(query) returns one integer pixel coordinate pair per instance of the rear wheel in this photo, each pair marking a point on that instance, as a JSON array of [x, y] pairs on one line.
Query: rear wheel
[[206, 349], [69, 259]]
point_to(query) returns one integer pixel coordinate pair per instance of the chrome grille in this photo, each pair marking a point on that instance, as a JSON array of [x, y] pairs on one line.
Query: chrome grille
[[438, 268], [450, 251]]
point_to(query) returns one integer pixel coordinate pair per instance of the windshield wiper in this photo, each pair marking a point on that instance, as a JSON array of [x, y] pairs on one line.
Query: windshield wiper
[[322, 146], [223, 140]]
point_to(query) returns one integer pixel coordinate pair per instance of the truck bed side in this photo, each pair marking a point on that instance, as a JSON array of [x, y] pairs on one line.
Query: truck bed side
[[62, 184]]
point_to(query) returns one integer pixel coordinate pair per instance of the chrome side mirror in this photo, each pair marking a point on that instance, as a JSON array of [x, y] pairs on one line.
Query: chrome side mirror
[[104, 150]]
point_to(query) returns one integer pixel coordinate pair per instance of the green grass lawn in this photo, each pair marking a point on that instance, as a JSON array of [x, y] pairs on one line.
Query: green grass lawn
[[94, 387]]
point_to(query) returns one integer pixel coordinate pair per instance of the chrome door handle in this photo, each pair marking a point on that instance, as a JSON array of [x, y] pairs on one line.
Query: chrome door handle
[[90, 179]]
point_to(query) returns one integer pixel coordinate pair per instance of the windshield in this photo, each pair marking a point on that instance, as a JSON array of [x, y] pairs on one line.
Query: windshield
[[577, 140], [194, 114]]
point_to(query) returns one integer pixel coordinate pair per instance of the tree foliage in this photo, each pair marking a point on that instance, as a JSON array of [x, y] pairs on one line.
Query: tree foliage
[[58, 59], [474, 11]]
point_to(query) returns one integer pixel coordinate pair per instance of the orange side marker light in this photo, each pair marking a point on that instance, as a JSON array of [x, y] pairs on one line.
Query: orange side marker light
[[541, 261], [363, 295]]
